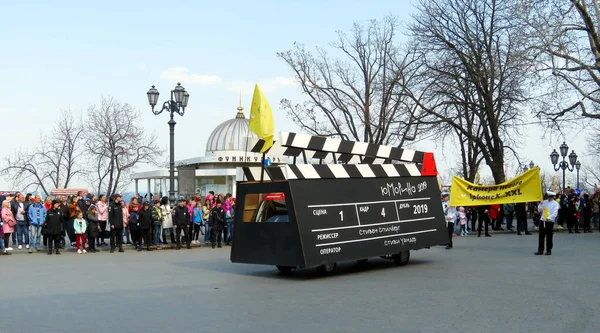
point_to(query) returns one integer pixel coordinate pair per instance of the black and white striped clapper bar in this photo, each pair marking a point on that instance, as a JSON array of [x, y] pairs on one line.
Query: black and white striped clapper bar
[[350, 160]]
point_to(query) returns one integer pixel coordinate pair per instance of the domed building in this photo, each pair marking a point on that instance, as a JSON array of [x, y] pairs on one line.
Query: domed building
[[216, 170], [230, 135]]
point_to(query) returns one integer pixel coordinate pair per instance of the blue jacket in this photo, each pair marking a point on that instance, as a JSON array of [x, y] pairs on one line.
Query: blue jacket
[[79, 226], [197, 218], [36, 214]]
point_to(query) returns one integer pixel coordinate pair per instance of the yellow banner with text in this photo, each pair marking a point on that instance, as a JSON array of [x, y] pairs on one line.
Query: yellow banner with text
[[524, 188]]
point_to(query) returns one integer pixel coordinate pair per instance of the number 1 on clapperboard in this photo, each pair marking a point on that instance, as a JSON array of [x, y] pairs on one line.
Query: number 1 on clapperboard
[[342, 215]]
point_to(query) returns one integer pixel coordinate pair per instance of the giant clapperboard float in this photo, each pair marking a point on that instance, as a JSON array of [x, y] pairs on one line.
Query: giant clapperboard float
[[357, 201]]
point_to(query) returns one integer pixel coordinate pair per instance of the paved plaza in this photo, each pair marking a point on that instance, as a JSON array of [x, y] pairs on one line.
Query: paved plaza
[[482, 285]]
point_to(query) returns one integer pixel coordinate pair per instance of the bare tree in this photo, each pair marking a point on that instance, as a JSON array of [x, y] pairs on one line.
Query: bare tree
[[590, 173], [567, 35], [360, 95], [54, 163], [590, 176], [470, 153], [474, 46], [117, 143]]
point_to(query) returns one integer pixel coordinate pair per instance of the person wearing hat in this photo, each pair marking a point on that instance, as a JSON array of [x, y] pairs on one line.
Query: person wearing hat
[[181, 222], [157, 221], [216, 221], [549, 212], [115, 218], [86, 206], [145, 225], [53, 227]]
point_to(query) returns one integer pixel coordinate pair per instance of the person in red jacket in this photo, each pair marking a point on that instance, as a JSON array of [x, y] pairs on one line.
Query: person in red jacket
[[494, 214], [48, 203]]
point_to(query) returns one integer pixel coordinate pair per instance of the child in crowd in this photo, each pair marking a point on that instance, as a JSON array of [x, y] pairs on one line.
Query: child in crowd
[[462, 217], [80, 226], [197, 219]]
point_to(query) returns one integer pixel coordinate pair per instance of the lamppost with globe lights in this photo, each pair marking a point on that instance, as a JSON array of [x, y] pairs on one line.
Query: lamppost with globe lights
[[531, 165], [176, 104], [564, 165]]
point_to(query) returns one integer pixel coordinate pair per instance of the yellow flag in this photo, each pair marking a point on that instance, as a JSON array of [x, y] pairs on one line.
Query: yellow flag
[[261, 119]]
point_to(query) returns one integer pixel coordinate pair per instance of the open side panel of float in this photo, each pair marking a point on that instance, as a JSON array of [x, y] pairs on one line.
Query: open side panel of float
[[265, 230], [385, 203]]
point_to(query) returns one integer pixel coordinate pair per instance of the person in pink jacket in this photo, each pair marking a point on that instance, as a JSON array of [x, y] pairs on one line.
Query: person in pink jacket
[[3, 250], [8, 222], [125, 210], [102, 209], [191, 204]]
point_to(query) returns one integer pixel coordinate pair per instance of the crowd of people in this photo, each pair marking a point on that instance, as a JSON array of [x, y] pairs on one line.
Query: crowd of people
[[85, 221], [577, 209]]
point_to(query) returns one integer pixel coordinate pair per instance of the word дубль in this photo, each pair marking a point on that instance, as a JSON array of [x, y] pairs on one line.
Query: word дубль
[[397, 189]]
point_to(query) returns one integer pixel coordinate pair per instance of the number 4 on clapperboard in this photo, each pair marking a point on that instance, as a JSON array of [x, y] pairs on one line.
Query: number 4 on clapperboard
[[342, 214]]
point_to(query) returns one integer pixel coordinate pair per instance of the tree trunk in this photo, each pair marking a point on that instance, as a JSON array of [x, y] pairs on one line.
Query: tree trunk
[[111, 176], [496, 165]]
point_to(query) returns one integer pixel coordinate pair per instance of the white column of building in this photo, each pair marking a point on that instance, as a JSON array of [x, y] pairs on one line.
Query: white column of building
[[233, 191]]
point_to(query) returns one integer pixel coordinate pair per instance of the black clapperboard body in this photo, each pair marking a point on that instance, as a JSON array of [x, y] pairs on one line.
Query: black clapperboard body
[[359, 206]]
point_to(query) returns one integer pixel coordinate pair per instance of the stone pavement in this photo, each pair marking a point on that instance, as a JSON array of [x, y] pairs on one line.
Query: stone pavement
[[482, 285]]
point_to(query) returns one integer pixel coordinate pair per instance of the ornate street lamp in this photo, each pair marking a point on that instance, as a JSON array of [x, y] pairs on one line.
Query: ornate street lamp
[[564, 149], [525, 167], [176, 104], [554, 157], [564, 165], [573, 158]]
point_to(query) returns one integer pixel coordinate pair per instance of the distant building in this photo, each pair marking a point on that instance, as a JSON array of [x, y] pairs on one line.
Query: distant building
[[216, 170], [56, 192]]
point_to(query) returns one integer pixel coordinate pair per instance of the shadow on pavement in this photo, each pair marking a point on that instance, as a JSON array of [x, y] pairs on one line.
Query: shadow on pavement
[[343, 268]]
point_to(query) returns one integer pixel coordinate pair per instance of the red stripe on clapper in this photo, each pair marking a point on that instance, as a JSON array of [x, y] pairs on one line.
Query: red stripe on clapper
[[429, 168]]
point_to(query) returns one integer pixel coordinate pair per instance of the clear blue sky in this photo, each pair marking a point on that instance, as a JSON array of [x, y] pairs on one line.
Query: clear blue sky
[[61, 54], [72, 52]]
